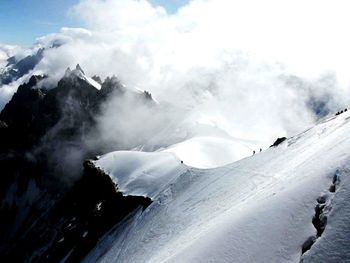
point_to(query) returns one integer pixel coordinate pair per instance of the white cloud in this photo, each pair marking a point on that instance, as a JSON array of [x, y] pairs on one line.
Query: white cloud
[[306, 36], [6, 51], [228, 61]]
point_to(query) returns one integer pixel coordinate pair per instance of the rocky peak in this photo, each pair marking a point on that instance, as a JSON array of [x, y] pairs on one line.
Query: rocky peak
[[78, 68], [97, 79], [111, 84], [77, 72], [68, 72], [35, 79]]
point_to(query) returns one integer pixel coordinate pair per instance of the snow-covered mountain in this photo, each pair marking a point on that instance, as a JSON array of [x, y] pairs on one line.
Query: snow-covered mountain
[[174, 188], [289, 203]]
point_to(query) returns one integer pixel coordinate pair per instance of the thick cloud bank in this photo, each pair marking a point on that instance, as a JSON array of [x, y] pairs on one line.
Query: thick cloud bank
[[254, 69]]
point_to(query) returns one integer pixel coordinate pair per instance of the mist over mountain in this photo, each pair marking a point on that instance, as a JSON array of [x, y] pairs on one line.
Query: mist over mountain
[[202, 67], [217, 133]]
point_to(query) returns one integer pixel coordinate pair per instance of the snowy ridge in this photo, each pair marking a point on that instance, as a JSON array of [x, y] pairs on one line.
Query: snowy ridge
[[259, 209], [141, 173], [147, 173]]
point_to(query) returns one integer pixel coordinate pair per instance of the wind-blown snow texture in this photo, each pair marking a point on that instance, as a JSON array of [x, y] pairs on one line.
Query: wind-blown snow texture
[[140, 173], [258, 209]]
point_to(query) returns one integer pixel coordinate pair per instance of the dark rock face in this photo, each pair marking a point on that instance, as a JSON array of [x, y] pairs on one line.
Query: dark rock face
[[278, 141], [97, 79], [72, 227], [52, 206], [23, 113]]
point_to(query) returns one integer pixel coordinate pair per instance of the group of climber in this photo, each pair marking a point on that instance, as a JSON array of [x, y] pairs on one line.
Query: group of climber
[[282, 139], [342, 111], [254, 151]]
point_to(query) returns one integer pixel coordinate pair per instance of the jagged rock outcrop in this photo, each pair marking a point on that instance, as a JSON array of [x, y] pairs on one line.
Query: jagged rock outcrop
[[278, 141]]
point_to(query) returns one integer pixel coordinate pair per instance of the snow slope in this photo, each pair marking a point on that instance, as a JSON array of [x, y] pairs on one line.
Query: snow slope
[[259, 209]]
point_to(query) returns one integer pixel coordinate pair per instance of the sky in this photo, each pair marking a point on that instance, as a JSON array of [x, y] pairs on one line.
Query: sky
[[22, 21]]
